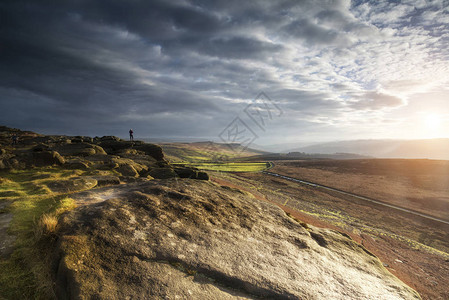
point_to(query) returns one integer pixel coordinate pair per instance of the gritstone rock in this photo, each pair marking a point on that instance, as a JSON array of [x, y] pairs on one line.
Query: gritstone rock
[[189, 239]]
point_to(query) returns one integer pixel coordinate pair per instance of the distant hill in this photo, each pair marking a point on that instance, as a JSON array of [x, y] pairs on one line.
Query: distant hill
[[303, 156], [206, 151], [431, 148]]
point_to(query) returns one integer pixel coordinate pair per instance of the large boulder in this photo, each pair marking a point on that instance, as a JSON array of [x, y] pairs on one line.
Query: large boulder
[[152, 150], [127, 170], [127, 161], [202, 176], [41, 147], [186, 172], [193, 173], [127, 167], [185, 239], [162, 173], [45, 158], [107, 180], [81, 139], [115, 147], [107, 138], [79, 149], [76, 164]]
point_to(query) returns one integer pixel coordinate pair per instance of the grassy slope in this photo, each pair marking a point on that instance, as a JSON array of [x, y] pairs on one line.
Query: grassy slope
[[35, 210], [202, 152], [212, 157]]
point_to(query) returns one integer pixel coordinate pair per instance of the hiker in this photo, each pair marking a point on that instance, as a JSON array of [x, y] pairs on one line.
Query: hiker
[[14, 139], [131, 137]]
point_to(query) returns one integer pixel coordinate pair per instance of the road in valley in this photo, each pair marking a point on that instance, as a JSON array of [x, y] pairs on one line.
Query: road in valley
[[319, 186]]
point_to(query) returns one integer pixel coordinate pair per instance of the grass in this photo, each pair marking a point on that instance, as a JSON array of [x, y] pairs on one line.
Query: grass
[[35, 209], [420, 185], [203, 152], [231, 166]]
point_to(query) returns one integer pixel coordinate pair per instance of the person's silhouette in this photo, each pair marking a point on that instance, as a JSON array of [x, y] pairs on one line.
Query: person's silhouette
[[131, 136], [14, 139]]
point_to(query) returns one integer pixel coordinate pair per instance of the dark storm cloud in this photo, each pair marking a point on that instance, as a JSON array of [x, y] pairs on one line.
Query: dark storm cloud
[[185, 67], [53, 54], [312, 33], [236, 47]]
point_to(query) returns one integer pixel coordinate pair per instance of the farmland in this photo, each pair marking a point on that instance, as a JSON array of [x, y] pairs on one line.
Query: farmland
[[231, 166]]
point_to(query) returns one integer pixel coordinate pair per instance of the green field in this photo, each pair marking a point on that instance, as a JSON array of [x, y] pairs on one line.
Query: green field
[[204, 152], [232, 167]]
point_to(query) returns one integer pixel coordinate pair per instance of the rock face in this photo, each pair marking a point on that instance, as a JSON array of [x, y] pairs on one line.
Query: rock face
[[188, 239]]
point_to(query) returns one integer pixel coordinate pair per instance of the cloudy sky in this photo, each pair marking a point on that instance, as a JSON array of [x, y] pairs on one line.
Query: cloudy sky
[[329, 70]]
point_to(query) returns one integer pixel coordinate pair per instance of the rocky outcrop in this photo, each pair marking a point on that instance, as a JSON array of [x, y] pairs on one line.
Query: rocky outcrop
[[112, 146], [128, 159], [79, 149], [186, 239]]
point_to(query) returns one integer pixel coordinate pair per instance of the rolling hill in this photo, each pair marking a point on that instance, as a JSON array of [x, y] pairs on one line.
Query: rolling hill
[[430, 148]]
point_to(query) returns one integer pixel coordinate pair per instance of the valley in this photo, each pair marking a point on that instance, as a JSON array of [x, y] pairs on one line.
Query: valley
[[411, 247]]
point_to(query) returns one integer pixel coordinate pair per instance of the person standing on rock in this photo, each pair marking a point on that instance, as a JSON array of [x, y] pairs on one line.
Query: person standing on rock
[[14, 139], [131, 136]]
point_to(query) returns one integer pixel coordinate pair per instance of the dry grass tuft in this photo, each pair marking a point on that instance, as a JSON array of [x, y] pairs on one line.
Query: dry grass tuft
[[46, 226]]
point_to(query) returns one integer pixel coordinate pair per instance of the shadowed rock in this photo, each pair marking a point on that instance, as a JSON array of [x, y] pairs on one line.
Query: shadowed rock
[[45, 158], [107, 180], [71, 185], [162, 173], [79, 149], [192, 173], [128, 170], [76, 164]]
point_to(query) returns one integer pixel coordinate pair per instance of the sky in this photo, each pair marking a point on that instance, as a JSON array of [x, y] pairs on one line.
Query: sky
[[263, 72]]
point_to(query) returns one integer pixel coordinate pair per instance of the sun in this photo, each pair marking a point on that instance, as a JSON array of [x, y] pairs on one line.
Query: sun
[[433, 122], [433, 125]]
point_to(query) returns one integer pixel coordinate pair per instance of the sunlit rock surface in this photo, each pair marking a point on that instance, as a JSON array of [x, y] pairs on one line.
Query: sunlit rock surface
[[190, 239]]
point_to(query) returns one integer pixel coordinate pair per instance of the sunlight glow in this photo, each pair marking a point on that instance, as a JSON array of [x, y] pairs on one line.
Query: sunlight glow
[[432, 125], [433, 122]]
